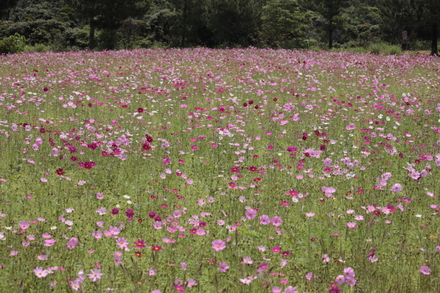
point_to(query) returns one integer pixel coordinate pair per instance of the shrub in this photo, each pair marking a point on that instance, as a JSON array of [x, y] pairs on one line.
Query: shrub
[[12, 44]]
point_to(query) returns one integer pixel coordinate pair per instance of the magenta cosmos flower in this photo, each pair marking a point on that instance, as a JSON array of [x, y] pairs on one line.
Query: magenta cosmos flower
[[218, 245]]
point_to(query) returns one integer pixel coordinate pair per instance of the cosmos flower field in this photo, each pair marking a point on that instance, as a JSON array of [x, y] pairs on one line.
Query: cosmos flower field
[[200, 170]]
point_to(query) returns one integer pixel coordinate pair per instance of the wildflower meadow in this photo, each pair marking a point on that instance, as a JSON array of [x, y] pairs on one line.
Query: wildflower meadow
[[235, 170]]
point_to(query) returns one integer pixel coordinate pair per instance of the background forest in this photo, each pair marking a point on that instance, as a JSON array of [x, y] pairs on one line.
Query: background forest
[[61, 25]]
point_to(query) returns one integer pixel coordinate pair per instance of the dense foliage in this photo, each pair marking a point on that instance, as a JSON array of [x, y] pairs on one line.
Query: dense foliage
[[61, 25]]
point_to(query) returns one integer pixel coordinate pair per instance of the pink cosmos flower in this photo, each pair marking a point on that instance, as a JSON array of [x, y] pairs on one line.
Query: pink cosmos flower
[[247, 260], [113, 231], [350, 126], [95, 275], [290, 289], [122, 242], [24, 225], [218, 245], [340, 279], [310, 276], [191, 283], [350, 282], [72, 243], [223, 267], [250, 214], [40, 272], [351, 225], [349, 273], [49, 242], [76, 285], [425, 270], [97, 234], [396, 187], [276, 221], [264, 220]]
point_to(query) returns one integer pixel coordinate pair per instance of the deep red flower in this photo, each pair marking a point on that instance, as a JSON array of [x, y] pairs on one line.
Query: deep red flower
[[148, 138], [138, 254], [60, 171], [334, 288], [235, 169], [140, 110], [146, 147], [156, 248], [129, 213], [140, 243], [285, 253]]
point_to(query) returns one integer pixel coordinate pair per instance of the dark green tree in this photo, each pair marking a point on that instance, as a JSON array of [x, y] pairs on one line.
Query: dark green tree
[[413, 15], [5, 5], [189, 22], [361, 24], [235, 22], [107, 15], [283, 21], [330, 11]]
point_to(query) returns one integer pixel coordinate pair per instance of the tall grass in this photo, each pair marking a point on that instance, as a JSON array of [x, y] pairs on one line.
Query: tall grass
[[219, 171]]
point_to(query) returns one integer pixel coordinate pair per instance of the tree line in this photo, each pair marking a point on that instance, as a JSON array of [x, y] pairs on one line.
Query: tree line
[[301, 24]]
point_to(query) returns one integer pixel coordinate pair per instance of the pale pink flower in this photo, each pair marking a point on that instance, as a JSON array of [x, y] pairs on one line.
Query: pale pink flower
[[218, 245]]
